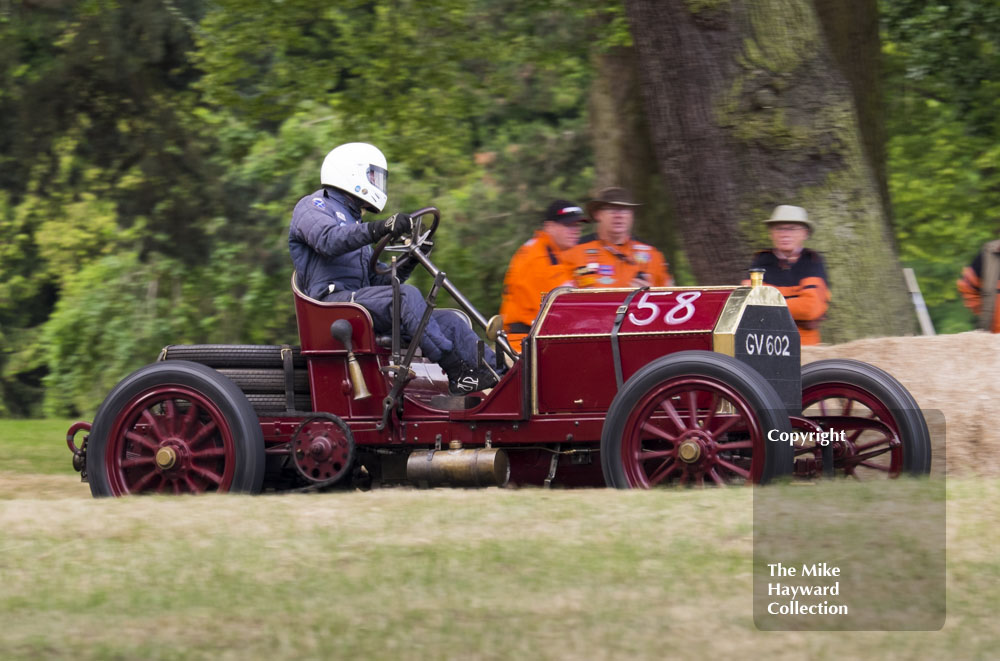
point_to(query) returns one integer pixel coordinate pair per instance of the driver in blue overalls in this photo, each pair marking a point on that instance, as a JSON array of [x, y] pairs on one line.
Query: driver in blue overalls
[[331, 250]]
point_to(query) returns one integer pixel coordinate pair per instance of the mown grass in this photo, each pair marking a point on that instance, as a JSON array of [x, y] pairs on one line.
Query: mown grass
[[434, 574]]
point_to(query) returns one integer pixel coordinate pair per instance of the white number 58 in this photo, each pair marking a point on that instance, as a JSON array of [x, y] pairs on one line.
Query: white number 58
[[678, 314]]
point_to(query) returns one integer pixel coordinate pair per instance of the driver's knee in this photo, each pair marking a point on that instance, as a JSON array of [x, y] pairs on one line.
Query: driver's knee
[[409, 291], [411, 298], [411, 303], [451, 324]]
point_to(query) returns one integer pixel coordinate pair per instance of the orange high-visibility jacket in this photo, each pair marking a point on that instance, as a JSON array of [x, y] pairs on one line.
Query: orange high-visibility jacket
[[599, 264], [536, 268], [804, 286], [971, 288]]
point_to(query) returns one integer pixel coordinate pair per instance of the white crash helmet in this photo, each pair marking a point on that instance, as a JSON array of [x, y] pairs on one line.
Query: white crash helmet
[[358, 169]]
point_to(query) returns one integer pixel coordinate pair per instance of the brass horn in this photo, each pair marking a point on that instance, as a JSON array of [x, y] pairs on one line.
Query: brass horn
[[341, 330]]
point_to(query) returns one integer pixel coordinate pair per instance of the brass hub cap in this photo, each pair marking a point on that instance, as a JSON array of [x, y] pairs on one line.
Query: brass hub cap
[[166, 457], [689, 451]]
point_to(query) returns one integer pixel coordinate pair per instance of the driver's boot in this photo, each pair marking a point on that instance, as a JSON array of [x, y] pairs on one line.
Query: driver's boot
[[464, 378]]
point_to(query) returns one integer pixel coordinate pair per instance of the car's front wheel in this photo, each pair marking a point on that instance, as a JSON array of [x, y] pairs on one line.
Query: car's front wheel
[[694, 417]]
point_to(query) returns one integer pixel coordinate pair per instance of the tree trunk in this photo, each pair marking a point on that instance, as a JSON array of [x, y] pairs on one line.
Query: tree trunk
[[623, 153], [851, 29], [748, 110]]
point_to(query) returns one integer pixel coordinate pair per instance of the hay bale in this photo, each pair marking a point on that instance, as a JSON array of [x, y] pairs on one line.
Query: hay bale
[[954, 374]]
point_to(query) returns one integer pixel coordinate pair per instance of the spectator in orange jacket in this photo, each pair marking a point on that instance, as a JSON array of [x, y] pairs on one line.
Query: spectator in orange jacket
[[539, 266], [612, 258], [972, 287], [796, 271]]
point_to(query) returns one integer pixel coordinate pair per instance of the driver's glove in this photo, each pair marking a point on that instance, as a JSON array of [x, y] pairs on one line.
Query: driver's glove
[[395, 225]]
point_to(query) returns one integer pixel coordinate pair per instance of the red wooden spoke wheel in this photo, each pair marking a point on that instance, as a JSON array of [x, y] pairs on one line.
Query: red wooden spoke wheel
[[692, 430], [884, 434], [170, 439], [695, 418], [864, 449], [175, 427]]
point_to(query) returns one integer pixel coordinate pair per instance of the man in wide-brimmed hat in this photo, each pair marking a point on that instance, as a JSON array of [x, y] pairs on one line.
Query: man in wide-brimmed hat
[[796, 271], [539, 266], [612, 258]]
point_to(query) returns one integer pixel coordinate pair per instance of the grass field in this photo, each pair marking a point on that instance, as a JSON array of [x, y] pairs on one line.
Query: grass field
[[425, 574], [36, 446]]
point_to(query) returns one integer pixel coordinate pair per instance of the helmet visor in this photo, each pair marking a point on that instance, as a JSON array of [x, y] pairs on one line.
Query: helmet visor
[[378, 177]]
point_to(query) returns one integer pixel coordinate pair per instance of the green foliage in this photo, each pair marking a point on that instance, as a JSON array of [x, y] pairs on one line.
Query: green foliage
[[949, 52], [479, 107], [97, 157], [429, 87], [118, 312], [942, 64], [156, 151], [498, 208]]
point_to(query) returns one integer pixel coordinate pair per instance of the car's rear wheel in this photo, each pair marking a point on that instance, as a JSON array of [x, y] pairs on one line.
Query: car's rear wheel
[[884, 432], [694, 418], [175, 427]]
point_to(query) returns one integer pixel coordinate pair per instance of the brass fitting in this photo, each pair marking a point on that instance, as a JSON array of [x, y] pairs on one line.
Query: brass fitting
[[689, 451], [166, 457]]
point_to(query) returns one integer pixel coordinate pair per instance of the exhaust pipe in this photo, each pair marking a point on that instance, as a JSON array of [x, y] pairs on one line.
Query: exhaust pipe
[[458, 467]]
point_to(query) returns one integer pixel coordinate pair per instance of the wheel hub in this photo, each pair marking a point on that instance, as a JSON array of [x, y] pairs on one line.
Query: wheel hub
[[689, 451], [322, 450], [166, 458]]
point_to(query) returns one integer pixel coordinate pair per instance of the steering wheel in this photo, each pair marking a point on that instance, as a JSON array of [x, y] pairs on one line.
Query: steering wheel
[[417, 239]]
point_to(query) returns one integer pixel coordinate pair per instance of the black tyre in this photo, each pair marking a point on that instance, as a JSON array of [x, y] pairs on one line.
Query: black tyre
[[856, 393], [275, 403], [231, 355], [175, 427], [694, 417], [265, 380]]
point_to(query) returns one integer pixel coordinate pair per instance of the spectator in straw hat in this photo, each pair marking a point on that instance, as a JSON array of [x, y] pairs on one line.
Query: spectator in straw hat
[[539, 266], [796, 271], [612, 257]]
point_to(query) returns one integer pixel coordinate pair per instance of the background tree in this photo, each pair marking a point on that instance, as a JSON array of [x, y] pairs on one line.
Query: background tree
[[97, 157], [942, 83], [748, 110], [622, 145]]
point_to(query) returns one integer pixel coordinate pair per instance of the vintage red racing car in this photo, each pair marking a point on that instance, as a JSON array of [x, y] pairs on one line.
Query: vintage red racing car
[[627, 388]]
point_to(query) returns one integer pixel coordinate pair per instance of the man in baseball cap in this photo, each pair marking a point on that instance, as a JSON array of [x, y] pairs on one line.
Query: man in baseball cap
[[539, 266], [796, 271], [612, 257]]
